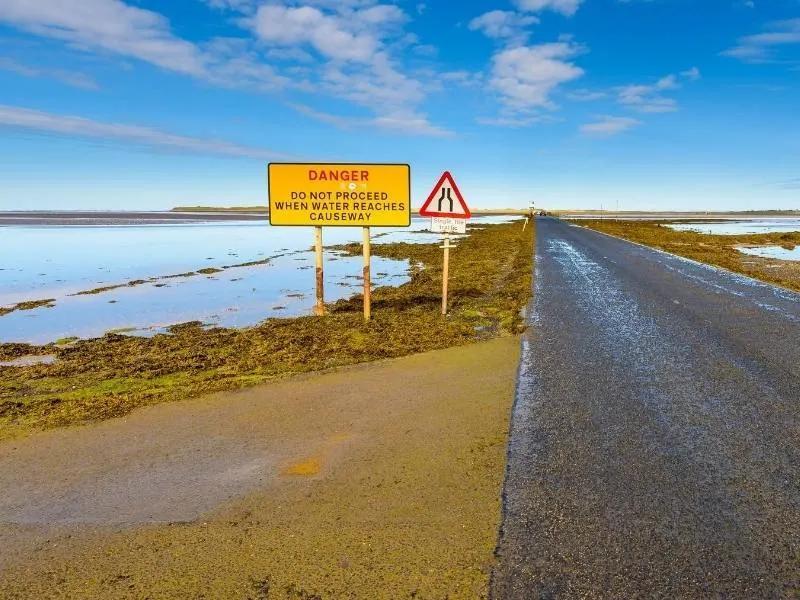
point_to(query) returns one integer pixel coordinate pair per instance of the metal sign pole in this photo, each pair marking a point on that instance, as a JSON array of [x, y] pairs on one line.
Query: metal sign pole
[[320, 307], [445, 272], [367, 276]]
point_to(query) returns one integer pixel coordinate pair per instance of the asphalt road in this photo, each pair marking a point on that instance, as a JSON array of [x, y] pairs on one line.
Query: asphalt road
[[655, 446]]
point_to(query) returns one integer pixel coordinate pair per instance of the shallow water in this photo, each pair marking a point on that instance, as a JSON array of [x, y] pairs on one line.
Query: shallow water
[[28, 361], [744, 227], [38, 262], [773, 252]]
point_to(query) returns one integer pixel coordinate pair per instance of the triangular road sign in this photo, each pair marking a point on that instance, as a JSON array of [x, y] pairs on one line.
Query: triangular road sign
[[445, 200]]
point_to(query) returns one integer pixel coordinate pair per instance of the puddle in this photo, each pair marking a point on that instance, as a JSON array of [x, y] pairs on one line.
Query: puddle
[[751, 226], [29, 361], [772, 252]]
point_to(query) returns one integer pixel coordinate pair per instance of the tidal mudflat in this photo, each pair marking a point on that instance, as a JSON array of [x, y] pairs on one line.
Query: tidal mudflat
[[93, 379], [82, 281]]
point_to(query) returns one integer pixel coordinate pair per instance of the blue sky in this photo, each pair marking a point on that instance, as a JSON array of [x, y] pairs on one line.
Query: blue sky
[[636, 104]]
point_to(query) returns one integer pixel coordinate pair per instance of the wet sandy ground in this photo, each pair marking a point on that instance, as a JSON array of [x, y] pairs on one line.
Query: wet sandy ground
[[376, 481], [655, 447]]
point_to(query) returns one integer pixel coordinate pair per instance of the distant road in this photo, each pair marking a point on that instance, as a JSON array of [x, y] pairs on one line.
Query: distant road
[[120, 218], [655, 446]]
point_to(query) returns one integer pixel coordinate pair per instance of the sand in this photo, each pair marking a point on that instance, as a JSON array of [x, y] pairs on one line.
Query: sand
[[381, 480]]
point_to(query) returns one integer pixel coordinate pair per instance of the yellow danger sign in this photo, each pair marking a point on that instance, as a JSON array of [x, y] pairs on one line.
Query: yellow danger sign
[[339, 195]]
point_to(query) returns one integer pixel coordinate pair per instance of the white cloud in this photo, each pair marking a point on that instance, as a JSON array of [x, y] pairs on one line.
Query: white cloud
[[565, 7], [515, 120], [297, 55], [645, 98], [237, 5], [427, 50], [109, 25], [526, 76], [354, 40], [606, 126], [503, 24], [72, 126], [341, 6], [762, 47], [73, 78], [376, 85], [585, 95], [381, 14], [351, 41], [462, 78], [354, 35], [115, 27], [650, 98], [692, 74], [668, 82], [407, 123], [289, 26]]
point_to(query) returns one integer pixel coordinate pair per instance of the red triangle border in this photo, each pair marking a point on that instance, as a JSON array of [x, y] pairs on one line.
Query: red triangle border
[[446, 176]]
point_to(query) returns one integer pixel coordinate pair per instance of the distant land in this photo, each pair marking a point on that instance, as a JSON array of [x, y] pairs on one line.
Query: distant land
[[524, 211], [220, 209], [200, 214], [265, 210]]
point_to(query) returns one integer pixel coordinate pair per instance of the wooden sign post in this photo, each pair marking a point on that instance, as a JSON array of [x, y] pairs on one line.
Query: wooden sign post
[[367, 276], [339, 195], [445, 271], [319, 309], [449, 213]]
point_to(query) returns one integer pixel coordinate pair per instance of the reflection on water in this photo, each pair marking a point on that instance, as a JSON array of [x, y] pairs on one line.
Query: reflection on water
[[57, 261], [773, 252], [749, 226]]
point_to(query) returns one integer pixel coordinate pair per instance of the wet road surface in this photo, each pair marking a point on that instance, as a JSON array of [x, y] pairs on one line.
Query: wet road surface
[[655, 445]]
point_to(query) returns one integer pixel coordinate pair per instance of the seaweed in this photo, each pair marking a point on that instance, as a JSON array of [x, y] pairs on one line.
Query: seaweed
[[95, 379], [27, 305]]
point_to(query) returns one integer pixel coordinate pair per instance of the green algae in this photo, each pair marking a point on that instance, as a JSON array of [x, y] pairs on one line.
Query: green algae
[[108, 288], [95, 379], [27, 305]]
